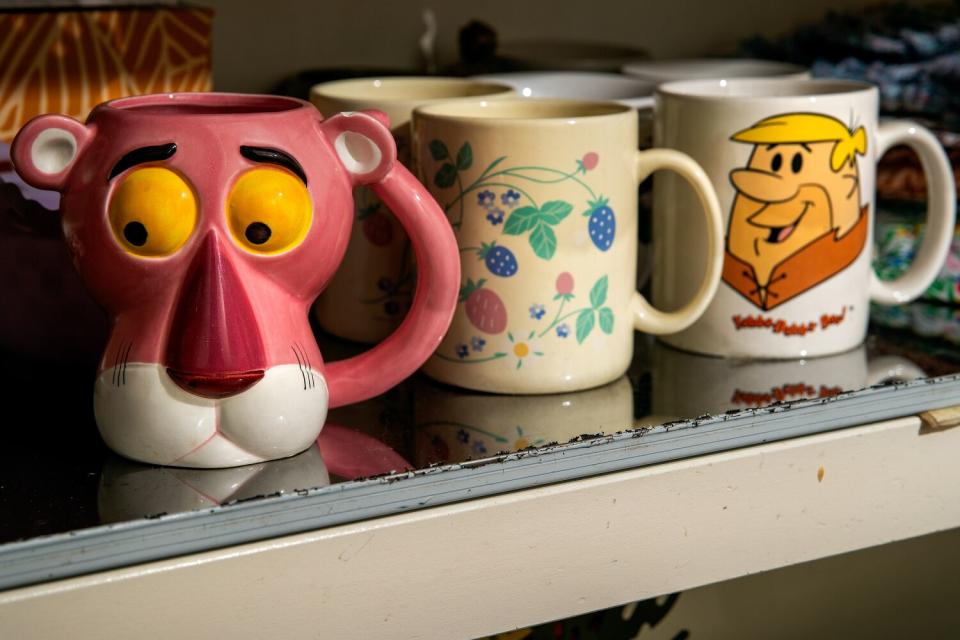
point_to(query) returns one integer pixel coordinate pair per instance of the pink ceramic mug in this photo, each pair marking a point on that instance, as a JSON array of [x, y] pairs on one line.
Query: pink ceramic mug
[[206, 224]]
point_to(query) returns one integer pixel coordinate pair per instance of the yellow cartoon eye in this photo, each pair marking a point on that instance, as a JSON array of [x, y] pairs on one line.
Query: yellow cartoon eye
[[269, 211], [153, 212]]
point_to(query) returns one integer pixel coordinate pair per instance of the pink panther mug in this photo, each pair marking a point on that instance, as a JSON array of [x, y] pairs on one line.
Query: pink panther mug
[[206, 225]]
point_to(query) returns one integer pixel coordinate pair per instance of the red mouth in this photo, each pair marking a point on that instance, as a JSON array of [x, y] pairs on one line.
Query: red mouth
[[776, 235], [779, 234], [217, 385]]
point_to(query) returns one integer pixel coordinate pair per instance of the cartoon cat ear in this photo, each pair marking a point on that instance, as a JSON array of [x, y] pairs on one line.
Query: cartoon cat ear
[[363, 143], [45, 150]]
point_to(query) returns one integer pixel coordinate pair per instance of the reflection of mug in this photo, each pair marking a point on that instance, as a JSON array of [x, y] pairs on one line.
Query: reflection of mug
[[545, 216], [130, 490], [452, 426], [686, 385], [793, 163], [371, 292]]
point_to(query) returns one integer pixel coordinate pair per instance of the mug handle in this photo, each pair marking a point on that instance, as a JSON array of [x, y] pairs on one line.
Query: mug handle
[[646, 317], [941, 211], [434, 301]]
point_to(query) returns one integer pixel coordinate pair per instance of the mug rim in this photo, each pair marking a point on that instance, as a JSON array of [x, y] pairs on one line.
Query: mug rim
[[570, 111], [716, 90], [647, 69], [352, 89], [204, 104], [633, 91]]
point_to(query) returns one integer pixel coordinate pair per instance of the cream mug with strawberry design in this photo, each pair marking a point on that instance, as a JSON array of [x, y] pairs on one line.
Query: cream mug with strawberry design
[[371, 293], [545, 213]]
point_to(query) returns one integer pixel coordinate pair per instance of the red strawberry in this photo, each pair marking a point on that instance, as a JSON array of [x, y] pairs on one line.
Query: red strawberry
[[378, 229], [484, 307]]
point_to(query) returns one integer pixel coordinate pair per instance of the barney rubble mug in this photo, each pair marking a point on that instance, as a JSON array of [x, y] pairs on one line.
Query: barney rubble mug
[[542, 196], [206, 224], [793, 163]]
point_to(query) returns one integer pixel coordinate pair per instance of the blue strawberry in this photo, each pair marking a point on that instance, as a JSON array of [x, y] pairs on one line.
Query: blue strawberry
[[602, 225], [500, 260]]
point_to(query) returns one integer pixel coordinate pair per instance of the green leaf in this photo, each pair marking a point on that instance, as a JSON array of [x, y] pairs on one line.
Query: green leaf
[[554, 211], [446, 176], [464, 157], [521, 221], [606, 320], [438, 150], [543, 241], [598, 294], [584, 324]]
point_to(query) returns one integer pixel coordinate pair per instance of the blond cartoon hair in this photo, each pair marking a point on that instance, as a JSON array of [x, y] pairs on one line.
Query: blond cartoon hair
[[797, 128]]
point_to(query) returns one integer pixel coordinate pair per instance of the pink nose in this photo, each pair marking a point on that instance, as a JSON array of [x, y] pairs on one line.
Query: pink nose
[[214, 347]]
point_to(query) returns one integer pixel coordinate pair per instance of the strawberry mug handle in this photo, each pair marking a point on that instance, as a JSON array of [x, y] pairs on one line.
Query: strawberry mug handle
[[647, 318]]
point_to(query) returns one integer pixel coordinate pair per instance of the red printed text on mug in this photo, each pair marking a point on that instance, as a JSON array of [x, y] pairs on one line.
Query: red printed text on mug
[[788, 327]]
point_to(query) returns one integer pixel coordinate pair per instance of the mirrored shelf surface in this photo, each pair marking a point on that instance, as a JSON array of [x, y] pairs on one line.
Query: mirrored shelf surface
[[69, 506]]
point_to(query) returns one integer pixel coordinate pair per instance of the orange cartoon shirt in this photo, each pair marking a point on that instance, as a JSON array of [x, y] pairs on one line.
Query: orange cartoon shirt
[[796, 219]]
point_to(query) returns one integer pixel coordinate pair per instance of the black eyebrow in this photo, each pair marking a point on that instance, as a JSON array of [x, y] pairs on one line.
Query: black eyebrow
[[273, 156], [141, 155], [802, 144]]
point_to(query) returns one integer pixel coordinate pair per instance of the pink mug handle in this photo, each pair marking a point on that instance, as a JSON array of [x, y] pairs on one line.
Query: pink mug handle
[[434, 302]]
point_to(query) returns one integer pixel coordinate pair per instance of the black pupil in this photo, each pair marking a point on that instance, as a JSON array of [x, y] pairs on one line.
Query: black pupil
[[797, 163], [257, 232], [776, 163], [135, 233]]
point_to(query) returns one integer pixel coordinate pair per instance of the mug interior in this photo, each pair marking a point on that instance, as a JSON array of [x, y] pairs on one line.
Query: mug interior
[[406, 89], [210, 104], [523, 110], [753, 88]]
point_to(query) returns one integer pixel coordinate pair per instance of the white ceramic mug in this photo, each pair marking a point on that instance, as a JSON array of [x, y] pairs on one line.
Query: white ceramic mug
[[544, 207], [578, 85], [661, 71], [371, 292], [793, 163]]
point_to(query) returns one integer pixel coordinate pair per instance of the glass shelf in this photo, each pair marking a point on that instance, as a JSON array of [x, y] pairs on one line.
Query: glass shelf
[[69, 506]]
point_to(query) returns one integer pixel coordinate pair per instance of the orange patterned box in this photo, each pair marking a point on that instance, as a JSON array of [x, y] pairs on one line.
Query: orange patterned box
[[68, 61]]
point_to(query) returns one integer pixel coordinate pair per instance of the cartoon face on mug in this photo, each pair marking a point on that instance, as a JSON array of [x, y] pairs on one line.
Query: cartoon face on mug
[[796, 219], [206, 241]]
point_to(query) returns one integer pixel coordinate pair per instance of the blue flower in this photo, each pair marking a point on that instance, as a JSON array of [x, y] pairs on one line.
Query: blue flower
[[510, 198], [486, 198], [462, 350], [537, 311], [477, 343], [495, 216], [463, 436], [563, 330], [479, 447]]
